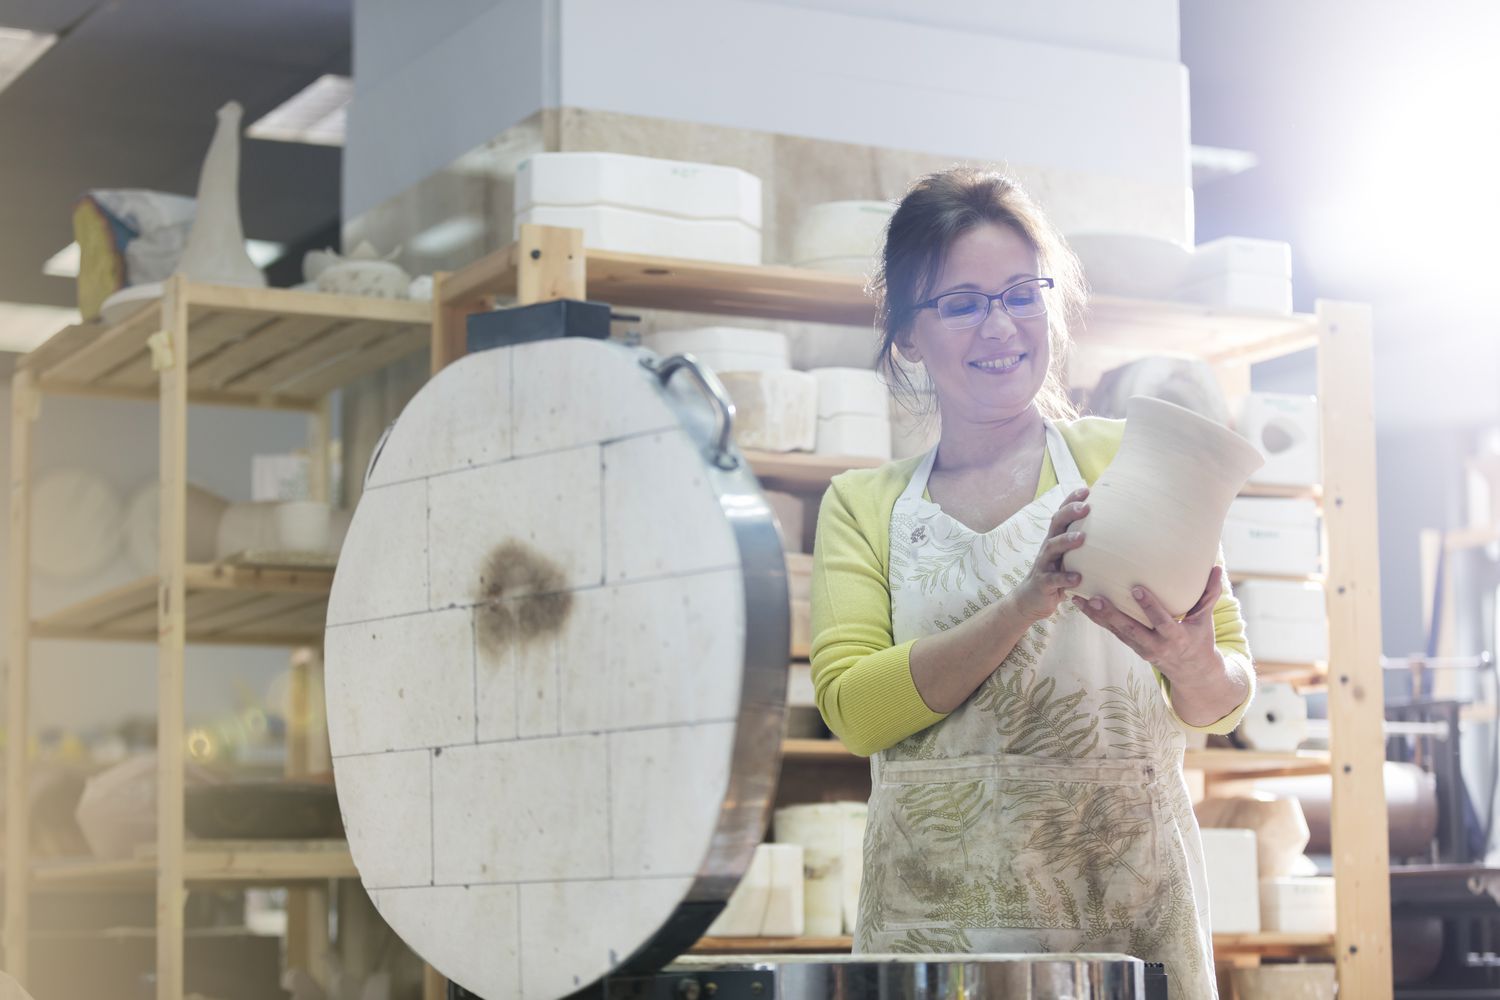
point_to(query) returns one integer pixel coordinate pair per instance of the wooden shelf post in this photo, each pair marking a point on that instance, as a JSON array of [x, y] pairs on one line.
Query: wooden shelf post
[[1356, 691], [23, 411], [170, 357]]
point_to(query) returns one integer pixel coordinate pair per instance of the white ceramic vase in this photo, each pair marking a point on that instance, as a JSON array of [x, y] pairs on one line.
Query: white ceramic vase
[[1158, 510], [215, 248]]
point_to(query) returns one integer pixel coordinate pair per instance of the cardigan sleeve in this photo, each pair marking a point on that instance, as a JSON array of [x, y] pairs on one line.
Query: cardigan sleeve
[[862, 678]]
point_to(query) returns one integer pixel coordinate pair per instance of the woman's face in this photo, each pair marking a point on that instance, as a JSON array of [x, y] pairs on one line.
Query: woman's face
[[991, 371]]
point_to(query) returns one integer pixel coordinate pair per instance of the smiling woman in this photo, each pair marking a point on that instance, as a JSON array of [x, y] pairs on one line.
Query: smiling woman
[[1027, 789]]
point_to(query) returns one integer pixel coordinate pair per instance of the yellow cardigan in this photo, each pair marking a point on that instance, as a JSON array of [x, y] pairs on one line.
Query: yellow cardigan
[[862, 678]]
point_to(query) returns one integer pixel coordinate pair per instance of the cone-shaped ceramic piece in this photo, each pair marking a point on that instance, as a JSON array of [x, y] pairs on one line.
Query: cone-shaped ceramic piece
[[215, 248], [1158, 510]]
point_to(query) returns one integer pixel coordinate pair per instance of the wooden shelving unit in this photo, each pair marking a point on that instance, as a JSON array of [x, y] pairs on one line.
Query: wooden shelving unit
[[200, 344], [548, 263]]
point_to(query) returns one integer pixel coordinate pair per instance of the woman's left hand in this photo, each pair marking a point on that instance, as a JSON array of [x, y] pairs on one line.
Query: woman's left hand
[[1182, 650]]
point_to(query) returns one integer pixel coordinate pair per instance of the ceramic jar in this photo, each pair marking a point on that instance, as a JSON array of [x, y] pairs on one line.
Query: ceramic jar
[[1158, 510]]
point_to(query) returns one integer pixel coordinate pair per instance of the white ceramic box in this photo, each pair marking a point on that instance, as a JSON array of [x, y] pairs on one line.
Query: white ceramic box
[[1272, 535], [627, 230], [1251, 292], [831, 835], [1233, 890], [1284, 428], [850, 390], [1286, 621], [774, 411], [639, 204], [855, 434], [1241, 255], [725, 348], [643, 183], [1297, 905], [846, 232], [768, 901]]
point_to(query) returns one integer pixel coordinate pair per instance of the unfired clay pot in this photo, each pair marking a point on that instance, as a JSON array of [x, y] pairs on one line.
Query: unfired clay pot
[[1159, 508]]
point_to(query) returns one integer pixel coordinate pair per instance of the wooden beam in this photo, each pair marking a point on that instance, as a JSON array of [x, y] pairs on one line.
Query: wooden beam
[[285, 302], [225, 576], [1356, 692], [171, 894], [550, 265], [23, 402], [320, 453]]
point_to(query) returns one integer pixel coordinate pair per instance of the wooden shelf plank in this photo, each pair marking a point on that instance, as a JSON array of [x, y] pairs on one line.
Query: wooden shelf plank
[[1225, 945], [1314, 493], [771, 945], [799, 472], [1139, 326], [1274, 945], [1255, 763], [1229, 763], [209, 862], [226, 604], [1121, 326], [1237, 577]]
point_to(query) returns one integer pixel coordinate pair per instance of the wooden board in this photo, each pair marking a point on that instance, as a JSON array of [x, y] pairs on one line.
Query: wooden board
[[799, 472], [209, 862], [18, 676], [1356, 694], [1225, 945], [1230, 763]]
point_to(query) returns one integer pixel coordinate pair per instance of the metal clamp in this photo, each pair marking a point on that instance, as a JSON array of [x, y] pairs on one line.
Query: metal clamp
[[707, 381]]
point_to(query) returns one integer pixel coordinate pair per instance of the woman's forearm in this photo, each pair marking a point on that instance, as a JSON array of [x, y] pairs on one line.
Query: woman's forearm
[[948, 666], [1204, 696]]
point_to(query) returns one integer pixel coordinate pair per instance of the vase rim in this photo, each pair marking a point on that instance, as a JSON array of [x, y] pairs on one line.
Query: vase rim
[[1251, 454]]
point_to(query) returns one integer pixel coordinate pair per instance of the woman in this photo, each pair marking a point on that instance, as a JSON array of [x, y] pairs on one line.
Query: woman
[[1026, 746]]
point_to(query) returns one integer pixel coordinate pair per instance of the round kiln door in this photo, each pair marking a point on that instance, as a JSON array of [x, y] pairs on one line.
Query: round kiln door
[[556, 665]]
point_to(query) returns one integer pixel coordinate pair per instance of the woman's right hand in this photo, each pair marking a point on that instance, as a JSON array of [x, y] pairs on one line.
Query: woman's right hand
[[1046, 583]]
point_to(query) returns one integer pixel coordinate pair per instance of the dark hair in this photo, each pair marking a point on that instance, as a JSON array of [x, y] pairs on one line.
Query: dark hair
[[938, 209]]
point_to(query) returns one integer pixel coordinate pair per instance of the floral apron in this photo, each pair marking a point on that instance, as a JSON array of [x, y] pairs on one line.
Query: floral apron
[[1048, 813]]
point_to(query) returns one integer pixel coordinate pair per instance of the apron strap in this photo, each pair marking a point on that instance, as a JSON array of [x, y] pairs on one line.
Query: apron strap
[[1063, 465], [918, 484]]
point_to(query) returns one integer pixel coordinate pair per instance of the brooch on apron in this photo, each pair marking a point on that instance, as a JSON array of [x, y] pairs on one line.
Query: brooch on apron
[[919, 534]]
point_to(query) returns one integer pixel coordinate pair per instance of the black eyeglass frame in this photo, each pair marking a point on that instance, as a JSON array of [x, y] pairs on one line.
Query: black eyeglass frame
[[990, 301]]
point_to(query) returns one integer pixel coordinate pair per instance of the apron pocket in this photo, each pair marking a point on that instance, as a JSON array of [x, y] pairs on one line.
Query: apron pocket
[[1014, 842]]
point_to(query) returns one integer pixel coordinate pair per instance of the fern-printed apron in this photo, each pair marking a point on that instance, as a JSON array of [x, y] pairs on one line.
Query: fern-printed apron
[[1048, 813]]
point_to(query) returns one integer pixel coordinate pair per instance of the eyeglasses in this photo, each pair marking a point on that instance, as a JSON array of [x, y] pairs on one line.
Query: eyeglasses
[[963, 310]]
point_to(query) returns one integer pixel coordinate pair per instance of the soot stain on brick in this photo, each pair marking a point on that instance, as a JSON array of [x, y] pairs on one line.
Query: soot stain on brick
[[521, 595]]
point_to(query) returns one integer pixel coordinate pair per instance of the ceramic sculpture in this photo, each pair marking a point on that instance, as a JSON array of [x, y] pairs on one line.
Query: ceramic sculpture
[[216, 247], [1158, 510], [363, 272]]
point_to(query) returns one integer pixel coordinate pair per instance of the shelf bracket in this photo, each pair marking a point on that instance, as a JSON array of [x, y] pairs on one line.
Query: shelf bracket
[[161, 351]]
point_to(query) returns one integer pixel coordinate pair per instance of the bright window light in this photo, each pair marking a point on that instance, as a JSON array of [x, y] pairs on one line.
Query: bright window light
[[315, 116], [24, 326], [64, 263], [18, 50]]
